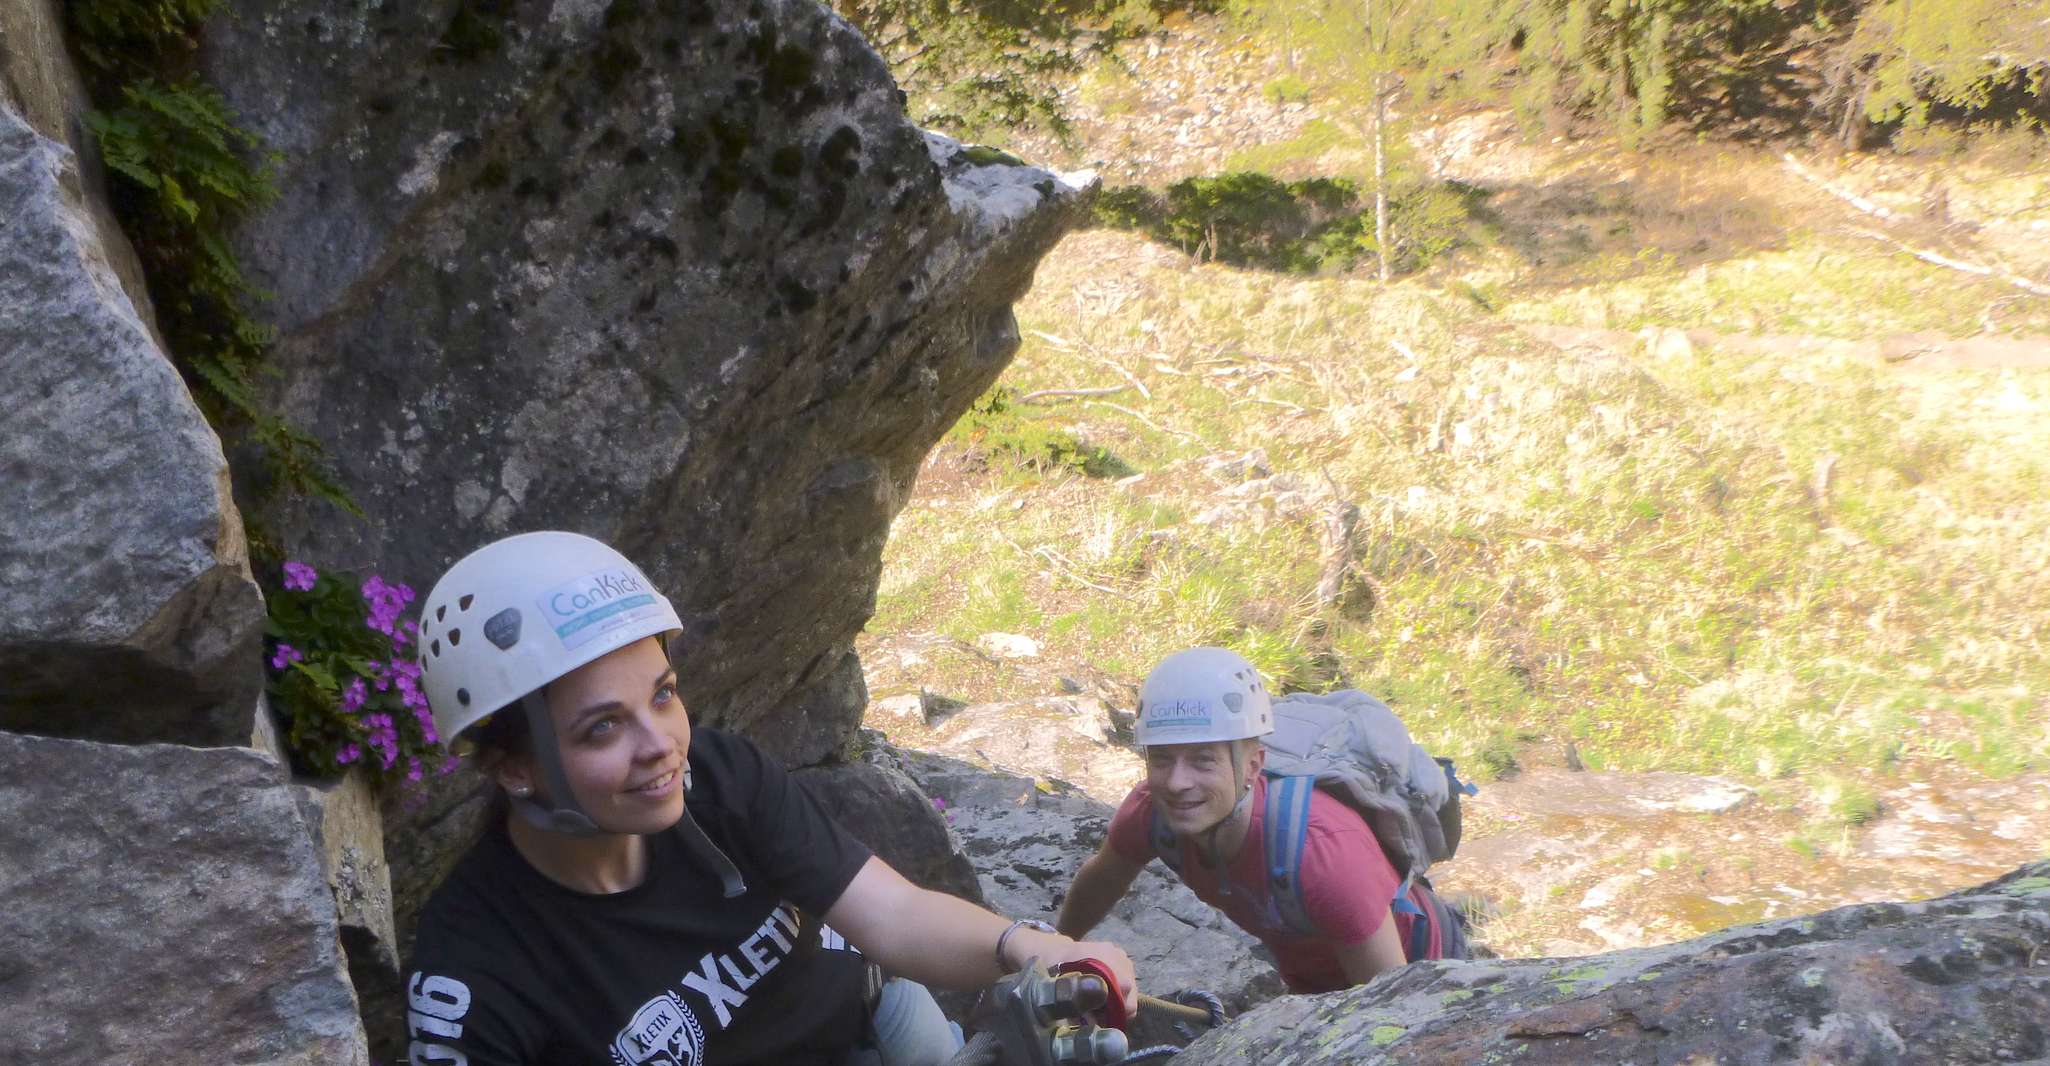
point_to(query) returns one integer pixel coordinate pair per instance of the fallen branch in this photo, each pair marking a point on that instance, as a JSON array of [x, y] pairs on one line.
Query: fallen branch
[[1058, 562], [1054, 560], [2027, 285], [1843, 194], [1295, 407], [1149, 423], [1059, 342], [1033, 397], [1115, 365]]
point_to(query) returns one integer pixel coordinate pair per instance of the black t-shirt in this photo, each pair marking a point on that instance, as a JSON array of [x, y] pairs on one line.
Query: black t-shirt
[[513, 968]]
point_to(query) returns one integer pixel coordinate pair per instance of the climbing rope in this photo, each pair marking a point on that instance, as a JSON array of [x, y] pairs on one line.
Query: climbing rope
[[1181, 1004], [1207, 1000]]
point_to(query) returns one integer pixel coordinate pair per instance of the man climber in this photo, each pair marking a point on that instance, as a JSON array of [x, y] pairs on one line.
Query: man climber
[[1201, 809]]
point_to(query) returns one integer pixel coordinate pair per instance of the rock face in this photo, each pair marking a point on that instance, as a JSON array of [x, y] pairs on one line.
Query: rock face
[[164, 905], [675, 273], [1072, 738], [38, 80], [347, 829], [1960, 979], [1027, 841], [876, 801], [126, 608]]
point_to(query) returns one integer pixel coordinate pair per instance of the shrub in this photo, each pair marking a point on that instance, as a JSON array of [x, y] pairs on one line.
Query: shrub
[[996, 426], [1287, 89], [1319, 224]]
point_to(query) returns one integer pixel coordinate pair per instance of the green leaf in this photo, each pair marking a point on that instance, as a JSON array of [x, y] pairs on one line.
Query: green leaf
[[319, 675]]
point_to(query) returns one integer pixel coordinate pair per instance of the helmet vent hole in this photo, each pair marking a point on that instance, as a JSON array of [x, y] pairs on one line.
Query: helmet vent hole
[[441, 613], [463, 696], [437, 647], [464, 603], [455, 637]]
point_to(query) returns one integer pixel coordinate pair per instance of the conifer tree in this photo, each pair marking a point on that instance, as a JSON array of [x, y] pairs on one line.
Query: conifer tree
[[1904, 56], [977, 66]]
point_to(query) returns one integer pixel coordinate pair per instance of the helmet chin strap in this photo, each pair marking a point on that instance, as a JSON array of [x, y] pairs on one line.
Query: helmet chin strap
[[570, 819], [567, 817]]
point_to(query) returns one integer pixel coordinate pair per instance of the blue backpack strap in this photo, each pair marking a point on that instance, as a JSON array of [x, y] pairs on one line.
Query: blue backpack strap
[[1165, 843], [1420, 928], [1284, 827], [1464, 788]]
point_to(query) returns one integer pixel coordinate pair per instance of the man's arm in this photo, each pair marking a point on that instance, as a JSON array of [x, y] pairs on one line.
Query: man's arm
[[937, 939], [1104, 879], [1381, 951]]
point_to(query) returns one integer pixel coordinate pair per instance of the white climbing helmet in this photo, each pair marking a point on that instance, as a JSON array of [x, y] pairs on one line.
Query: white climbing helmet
[[518, 613], [1202, 695]]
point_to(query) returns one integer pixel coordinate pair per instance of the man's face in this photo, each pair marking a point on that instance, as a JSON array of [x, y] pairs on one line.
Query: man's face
[[1193, 785]]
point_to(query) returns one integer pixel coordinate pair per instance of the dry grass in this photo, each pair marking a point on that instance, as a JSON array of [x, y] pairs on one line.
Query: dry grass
[[1594, 545]]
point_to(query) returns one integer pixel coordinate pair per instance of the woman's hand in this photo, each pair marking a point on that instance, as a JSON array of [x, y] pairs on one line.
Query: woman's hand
[[1053, 949]]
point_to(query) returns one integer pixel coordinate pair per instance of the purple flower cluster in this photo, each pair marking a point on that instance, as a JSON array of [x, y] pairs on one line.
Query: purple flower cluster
[[374, 729], [384, 737], [387, 602], [300, 577], [406, 676]]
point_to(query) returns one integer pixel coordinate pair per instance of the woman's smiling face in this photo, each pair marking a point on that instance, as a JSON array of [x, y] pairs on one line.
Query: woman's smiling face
[[623, 736]]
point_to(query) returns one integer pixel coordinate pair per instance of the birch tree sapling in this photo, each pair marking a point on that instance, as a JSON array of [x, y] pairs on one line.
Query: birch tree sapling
[[1371, 56]]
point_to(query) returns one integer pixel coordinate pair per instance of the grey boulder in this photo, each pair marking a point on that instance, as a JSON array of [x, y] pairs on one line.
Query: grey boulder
[[127, 612], [1960, 979], [873, 798], [677, 274], [164, 905]]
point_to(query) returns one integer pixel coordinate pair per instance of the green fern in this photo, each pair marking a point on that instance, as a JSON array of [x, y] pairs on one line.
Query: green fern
[[186, 174]]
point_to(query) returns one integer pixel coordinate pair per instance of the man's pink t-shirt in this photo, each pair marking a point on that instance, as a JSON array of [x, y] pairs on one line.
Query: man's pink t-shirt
[[1347, 885]]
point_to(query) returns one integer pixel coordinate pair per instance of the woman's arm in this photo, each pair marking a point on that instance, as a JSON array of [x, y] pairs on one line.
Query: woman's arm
[[1099, 884], [937, 939]]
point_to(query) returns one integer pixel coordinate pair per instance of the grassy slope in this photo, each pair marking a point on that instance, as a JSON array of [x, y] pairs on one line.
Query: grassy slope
[[1563, 534], [1597, 544]]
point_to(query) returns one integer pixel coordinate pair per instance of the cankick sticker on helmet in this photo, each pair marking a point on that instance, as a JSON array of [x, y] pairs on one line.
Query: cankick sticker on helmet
[[583, 610], [1177, 714]]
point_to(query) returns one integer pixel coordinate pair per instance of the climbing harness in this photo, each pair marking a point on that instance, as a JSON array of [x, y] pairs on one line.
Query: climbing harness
[[1071, 1017], [1048, 1019]]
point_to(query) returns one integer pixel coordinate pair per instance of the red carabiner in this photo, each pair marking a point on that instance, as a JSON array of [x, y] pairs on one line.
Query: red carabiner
[[1112, 1015]]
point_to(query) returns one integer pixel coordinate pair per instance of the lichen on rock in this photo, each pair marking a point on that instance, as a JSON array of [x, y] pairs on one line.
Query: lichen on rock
[[1959, 979]]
